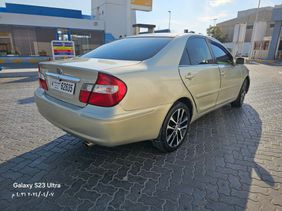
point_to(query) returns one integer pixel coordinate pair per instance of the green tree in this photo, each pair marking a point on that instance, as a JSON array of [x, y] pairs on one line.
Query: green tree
[[214, 31]]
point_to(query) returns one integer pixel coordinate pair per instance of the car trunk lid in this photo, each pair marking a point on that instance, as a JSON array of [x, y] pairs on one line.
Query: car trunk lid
[[66, 78]]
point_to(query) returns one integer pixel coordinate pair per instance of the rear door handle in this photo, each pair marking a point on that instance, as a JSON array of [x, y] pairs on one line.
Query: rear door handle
[[189, 76]]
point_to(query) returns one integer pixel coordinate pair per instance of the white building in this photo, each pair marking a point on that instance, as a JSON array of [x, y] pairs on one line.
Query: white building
[[248, 35], [27, 30], [119, 16]]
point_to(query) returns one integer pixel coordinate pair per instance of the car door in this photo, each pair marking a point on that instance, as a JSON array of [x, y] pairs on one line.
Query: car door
[[230, 74], [199, 73]]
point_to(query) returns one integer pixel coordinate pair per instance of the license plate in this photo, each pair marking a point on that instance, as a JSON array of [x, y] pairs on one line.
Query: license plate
[[62, 86]]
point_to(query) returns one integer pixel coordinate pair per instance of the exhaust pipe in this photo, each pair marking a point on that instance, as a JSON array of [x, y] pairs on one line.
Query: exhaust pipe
[[88, 144]]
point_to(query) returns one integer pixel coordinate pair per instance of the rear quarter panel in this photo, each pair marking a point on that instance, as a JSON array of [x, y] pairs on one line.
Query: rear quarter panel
[[152, 88]]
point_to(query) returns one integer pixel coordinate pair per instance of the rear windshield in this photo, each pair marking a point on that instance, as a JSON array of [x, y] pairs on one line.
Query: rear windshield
[[134, 49]]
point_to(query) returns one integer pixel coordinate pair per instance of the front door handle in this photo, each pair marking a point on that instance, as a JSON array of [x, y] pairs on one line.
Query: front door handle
[[189, 76]]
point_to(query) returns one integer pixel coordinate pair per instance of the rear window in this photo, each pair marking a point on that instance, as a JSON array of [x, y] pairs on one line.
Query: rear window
[[134, 49]]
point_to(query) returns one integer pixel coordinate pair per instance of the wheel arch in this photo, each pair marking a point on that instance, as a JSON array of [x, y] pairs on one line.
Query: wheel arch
[[248, 82], [188, 103], [157, 142]]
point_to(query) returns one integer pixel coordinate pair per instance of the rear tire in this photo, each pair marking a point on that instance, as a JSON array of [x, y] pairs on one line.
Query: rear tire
[[241, 97], [174, 129]]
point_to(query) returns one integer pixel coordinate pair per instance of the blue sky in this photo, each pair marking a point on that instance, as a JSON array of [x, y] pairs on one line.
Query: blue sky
[[186, 14]]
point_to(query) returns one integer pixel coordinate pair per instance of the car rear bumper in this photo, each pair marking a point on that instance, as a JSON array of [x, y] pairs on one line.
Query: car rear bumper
[[102, 126]]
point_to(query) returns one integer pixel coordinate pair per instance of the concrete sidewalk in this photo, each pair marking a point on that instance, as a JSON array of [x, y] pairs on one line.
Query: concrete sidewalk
[[266, 62], [18, 70], [18, 73]]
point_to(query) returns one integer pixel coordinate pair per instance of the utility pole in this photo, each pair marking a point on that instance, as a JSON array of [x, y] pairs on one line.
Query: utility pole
[[254, 31], [169, 19], [214, 21]]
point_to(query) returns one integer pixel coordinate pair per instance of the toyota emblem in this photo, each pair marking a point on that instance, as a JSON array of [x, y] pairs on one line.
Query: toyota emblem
[[59, 71]]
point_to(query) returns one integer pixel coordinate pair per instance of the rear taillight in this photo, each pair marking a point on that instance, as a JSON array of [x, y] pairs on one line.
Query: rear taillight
[[85, 92], [107, 92], [42, 80]]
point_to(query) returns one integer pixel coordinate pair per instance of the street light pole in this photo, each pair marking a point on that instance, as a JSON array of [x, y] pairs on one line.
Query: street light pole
[[257, 13], [169, 20], [254, 31], [214, 21]]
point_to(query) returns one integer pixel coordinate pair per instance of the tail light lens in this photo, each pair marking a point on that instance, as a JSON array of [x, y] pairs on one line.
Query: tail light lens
[[42, 80], [85, 92], [107, 92]]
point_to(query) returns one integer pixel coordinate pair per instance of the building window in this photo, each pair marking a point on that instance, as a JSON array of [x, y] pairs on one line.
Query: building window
[[86, 40], [6, 45], [36, 41], [25, 40], [257, 45], [82, 43], [250, 27], [280, 46], [265, 45], [44, 37]]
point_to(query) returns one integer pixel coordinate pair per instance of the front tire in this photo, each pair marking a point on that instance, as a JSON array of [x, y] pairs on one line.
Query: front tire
[[174, 129], [241, 97]]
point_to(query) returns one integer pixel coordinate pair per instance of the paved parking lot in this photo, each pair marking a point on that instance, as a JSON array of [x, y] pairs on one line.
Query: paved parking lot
[[233, 160]]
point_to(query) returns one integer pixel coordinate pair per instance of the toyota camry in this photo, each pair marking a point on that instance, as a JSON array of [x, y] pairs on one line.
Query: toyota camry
[[144, 87]]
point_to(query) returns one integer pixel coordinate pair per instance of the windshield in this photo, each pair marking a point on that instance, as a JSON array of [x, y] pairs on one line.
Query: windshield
[[134, 49]]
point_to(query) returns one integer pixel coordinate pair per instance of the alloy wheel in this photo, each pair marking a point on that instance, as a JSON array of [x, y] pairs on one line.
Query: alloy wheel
[[177, 127]]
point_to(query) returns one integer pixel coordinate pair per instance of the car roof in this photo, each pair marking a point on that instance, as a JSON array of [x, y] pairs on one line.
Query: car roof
[[172, 35], [155, 35]]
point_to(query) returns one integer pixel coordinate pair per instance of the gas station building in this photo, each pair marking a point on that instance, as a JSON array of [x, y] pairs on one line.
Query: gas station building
[[27, 30]]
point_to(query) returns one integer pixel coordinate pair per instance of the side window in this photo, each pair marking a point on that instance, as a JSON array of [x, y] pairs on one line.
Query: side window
[[198, 51], [185, 58], [221, 55]]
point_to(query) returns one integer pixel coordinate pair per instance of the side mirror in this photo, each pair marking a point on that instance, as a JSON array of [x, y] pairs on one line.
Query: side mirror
[[240, 60]]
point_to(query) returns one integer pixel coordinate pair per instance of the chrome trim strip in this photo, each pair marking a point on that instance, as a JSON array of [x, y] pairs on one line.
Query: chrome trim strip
[[63, 77]]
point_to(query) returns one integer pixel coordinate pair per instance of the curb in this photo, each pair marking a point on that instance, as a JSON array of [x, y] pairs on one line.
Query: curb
[[266, 62], [23, 60]]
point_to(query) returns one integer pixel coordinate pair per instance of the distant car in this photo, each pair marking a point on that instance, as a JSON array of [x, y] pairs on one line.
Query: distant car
[[146, 87]]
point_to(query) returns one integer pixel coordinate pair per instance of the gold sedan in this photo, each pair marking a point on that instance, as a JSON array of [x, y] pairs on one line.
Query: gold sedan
[[146, 87]]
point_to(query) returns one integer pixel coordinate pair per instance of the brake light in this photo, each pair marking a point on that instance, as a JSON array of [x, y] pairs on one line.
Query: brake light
[[42, 80], [107, 92]]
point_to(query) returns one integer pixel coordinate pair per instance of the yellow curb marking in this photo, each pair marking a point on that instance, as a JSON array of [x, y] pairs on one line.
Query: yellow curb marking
[[17, 61]]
